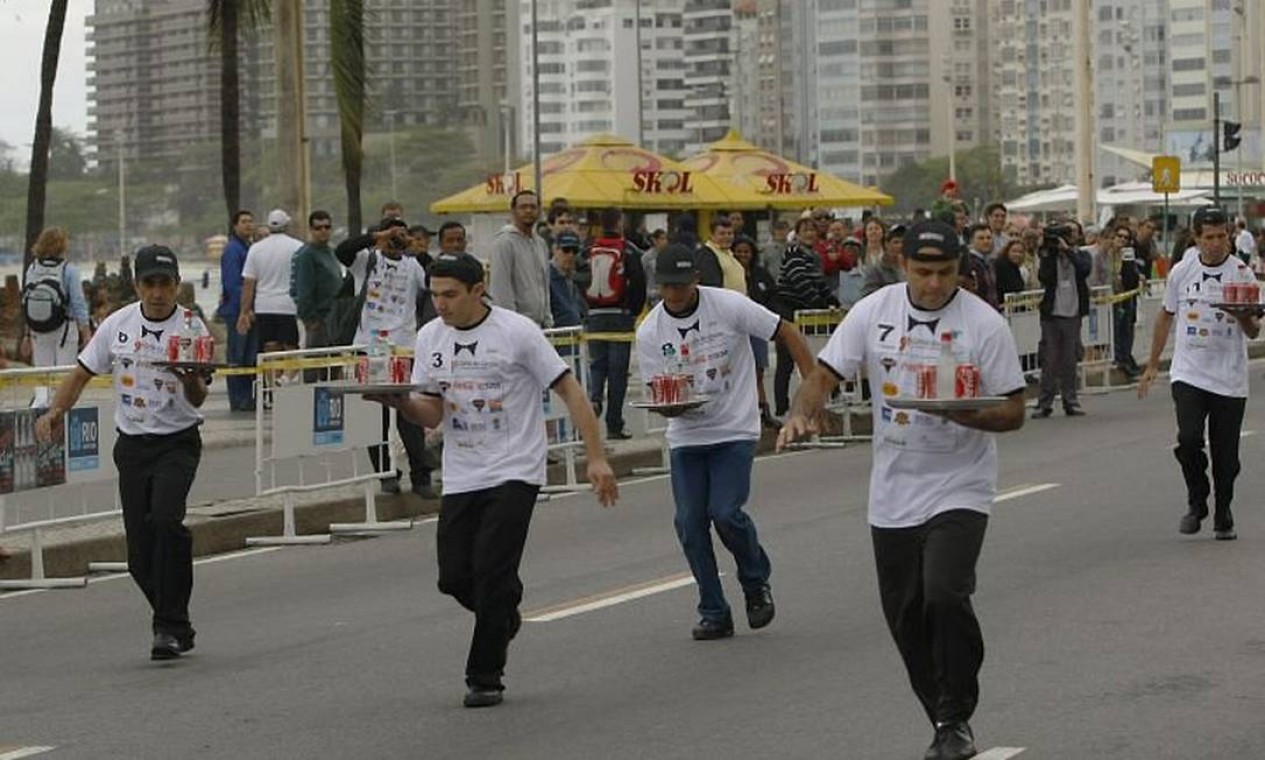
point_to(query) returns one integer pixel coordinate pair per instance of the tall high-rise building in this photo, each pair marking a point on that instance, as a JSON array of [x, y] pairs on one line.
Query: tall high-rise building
[[1131, 92], [153, 89], [709, 45], [761, 104], [600, 74], [896, 83], [487, 43], [154, 84]]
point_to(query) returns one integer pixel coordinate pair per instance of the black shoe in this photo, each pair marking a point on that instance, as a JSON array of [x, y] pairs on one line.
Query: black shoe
[[708, 630], [618, 435], [1042, 412], [390, 485], [1190, 522], [760, 607], [1073, 411], [426, 490], [597, 409], [954, 741], [768, 420], [186, 640], [166, 647], [1224, 534], [484, 696]]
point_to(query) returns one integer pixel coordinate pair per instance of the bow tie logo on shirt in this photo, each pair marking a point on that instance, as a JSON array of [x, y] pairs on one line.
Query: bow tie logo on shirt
[[389, 267], [686, 330], [930, 324], [158, 334], [457, 348], [1209, 276]]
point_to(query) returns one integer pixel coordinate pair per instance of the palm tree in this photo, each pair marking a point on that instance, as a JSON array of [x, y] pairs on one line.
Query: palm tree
[[347, 57], [225, 21], [38, 181]]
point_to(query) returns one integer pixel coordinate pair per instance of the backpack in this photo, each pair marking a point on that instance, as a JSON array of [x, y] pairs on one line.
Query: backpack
[[45, 305], [608, 267]]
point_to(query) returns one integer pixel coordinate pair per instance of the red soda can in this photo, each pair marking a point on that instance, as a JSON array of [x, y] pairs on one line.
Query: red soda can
[[401, 371], [966, 381], [1253, 291], [362, 370], [926, 386], [681, 388], [659, 389], [1230, 292], [173, 348], [204, 349]]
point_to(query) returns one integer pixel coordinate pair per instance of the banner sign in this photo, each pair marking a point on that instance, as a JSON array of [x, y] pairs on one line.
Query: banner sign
[[327, 417], [83, 439]]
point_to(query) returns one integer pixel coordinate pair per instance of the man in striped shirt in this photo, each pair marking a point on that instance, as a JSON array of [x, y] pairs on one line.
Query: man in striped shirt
[[801, 285]]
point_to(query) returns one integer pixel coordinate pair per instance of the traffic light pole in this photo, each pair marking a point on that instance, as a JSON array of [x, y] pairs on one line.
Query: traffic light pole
[[1216, 148]]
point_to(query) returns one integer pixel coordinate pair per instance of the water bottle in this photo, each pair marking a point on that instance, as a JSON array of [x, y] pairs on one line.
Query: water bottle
[[946, 368], [186, 337], [380, 358]]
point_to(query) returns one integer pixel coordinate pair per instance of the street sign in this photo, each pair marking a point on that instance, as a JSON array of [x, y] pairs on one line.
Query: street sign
[[1166, 174]]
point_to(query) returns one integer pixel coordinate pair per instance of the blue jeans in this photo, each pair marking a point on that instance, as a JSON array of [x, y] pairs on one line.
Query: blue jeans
[[241, 352], [711, 484], [608, 366]]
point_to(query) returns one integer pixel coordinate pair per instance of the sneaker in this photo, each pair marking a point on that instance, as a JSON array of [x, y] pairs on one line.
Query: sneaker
[[165, 647], [1042, 412], [426, 490], [1224, 534], [1223, 526], [484, 696], [1073, 411], [760, 607], [954, 741], [390, 485], [709, 630], [1190, 522], [618, 435]]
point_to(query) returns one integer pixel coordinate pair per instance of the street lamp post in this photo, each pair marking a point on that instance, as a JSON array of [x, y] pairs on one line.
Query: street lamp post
[[395, 196], [118, 141], [1239, 113], [951, 127]]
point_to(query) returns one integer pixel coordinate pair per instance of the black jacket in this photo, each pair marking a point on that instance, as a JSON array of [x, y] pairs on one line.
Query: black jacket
[[1009, 278], [1048, 275]]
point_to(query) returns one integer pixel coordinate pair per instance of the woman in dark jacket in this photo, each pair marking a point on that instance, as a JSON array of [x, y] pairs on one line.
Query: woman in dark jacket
[[763, 290], [1007, 270]]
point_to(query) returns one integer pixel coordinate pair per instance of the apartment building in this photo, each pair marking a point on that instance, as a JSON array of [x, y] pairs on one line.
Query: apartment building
[[606, 66]]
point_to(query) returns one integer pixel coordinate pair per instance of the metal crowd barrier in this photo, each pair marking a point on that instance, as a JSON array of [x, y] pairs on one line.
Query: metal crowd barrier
[[817, 325], [298, 421], [571, 345], [60, 482]]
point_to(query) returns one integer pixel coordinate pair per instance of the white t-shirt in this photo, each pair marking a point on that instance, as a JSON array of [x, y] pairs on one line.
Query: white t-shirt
[[268, 264], [1245, 242], [1209, 347], [149, 400], [924, 464], [713, 345], [490, 378], [391, 299]]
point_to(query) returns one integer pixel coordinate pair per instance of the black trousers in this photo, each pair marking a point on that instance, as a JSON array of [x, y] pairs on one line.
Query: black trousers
[[1224, 418], [414, 439], [155, 475], [782, 379], [926, 576], [480, 541]]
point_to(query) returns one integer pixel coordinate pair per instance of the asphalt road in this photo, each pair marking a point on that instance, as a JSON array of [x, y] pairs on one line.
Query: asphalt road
[[1108, 634]]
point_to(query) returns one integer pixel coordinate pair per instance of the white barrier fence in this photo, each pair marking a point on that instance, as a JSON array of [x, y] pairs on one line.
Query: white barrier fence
[[67, 480], [304, 433], [563, 439]]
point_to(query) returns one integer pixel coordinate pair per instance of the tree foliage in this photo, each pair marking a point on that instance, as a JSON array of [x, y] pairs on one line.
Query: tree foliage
[[979, 177]]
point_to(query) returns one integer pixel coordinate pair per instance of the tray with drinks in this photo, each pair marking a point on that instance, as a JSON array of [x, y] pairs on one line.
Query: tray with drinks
[[374, 389], [1241, 308], [191, 365], [944, 404], [693, 402]]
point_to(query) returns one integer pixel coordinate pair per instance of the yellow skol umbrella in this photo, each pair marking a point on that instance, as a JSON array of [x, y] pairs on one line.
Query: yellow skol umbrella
[[751, 178], [603, 170]]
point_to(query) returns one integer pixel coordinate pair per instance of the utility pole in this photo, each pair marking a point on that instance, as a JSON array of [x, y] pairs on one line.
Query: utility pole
[[1082, 55], [291, 138], [1216, 148], [535, 97]]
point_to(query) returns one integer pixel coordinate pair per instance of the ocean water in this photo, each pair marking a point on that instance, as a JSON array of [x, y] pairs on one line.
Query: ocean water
[[208, 298]]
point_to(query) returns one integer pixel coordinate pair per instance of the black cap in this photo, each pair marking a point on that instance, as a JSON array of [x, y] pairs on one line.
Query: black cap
[[568, 241], [459, 266], [155, 259], [675, 266], [391, 221], [932, 241], [1210, 215]]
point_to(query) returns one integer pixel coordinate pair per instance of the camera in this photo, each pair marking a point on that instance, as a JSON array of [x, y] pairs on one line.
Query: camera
[[1057, 237]]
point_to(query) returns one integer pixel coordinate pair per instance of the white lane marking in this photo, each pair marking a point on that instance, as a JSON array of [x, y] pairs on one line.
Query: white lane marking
[[1019, 491], [610, 598], [999, 753], [24, 752]]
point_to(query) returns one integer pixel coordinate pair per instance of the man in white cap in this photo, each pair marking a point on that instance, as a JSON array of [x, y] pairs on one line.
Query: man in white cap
[[266, 301]]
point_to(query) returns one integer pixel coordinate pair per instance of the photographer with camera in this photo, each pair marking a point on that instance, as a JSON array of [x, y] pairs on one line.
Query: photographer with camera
[[1125, 270], [391, 287], [1063, 272], [1209, 368]]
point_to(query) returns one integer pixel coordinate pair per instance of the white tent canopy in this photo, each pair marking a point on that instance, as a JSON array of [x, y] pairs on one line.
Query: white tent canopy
[[1127, 194]]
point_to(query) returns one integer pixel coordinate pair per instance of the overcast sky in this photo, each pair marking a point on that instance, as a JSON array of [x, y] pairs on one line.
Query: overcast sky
[[22, 26]]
